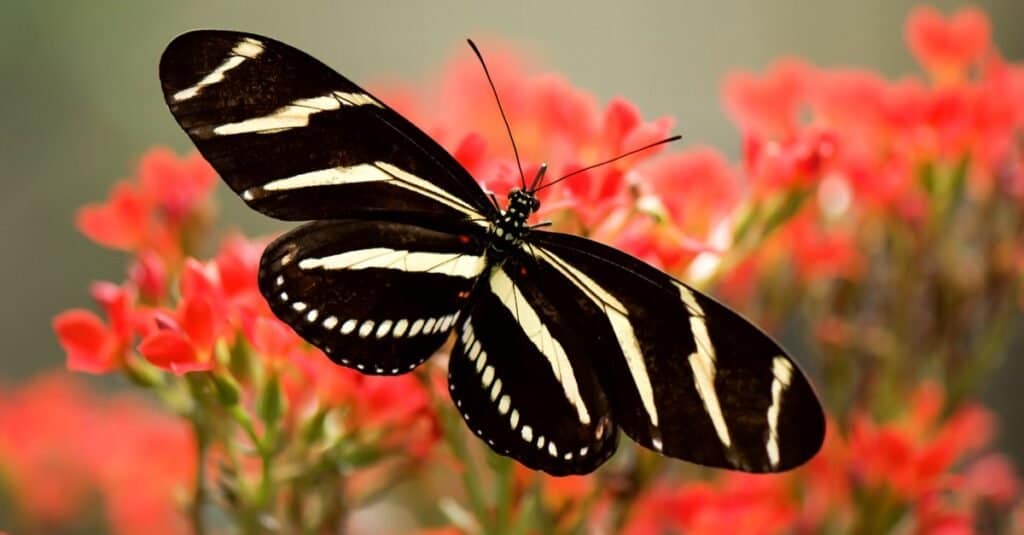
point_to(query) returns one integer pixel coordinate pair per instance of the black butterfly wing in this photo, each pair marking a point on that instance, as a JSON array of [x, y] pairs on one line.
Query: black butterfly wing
[[521, 374], [298, 141], [378, 296], [685, 375]]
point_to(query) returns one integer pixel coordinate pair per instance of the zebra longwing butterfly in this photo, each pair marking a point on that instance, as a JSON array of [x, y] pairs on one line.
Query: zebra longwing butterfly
[[559, 341]]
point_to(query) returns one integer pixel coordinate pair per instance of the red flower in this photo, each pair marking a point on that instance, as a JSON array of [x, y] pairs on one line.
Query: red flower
[[656, 243], [829, 489], [937, 518], [396, 411], [91, 345], [237, 266], [154, 212], [819, 253], [59, 444], [691, 194], [913, 455], [595, 194], [698, 189], [400, 406], [148, 273], [271, 338], [886, 186], [161, 447], [553, 122], [120, 223], [740, 503], [993, 478], [46, 430], [947, 46], [184, 341], [904, 108], [774, 166], [179, 185], [767, 106], [846, 95]]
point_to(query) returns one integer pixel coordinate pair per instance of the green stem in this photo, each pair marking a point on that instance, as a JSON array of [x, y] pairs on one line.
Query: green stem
[[470, 477], [450, 429], [245, 422], [264, 489], [525, 523], [503, 472], [266, 480], [199, 494]]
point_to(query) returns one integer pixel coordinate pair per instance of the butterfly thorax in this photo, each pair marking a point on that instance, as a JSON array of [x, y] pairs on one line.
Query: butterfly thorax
[[511, 227]]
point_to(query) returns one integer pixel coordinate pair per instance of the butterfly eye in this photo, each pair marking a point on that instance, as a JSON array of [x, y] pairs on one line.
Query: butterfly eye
[[536, 204]]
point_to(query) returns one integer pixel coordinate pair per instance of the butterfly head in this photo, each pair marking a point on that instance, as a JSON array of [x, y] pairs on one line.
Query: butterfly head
[[511, 227], [521, 204]]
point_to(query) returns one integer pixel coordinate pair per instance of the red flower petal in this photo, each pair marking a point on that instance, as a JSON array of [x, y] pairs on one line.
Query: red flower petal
[[149, 275], [620, 118], [172, 350], [119, 223], [697, 187], [993, 477], [199, 279], [177, 184], [89, 344], [947, 46], [272, 338], [200, 322], [470, 152], [238, 263], [117, 303], [767, 105]]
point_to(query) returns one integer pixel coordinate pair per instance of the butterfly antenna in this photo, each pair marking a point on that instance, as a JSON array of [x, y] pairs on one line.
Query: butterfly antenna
[[522, 177], [617, 158]]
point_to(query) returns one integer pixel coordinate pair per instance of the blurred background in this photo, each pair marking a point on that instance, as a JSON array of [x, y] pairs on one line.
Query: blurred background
[[80, 101]]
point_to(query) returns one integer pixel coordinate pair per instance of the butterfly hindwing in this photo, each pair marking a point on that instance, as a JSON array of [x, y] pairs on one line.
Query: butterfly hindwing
[[298, 141], [521, 376], [377, 296], [687, 376]]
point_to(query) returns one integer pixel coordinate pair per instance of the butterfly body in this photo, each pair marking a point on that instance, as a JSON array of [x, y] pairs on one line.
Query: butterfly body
[[510, 229], [560, 342]]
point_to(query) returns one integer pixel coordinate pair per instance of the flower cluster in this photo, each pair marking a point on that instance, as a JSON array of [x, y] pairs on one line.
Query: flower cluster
[[878, 476], [888, 214], [56, 454], [907, 241], [199, 334]]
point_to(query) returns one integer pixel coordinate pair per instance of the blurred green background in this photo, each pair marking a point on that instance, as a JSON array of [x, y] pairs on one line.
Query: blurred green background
[[80, 101]]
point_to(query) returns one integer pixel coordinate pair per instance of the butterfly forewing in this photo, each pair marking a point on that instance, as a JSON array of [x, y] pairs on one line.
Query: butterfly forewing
[[522, 377], [377, 296], [686, 376], [298, 141]]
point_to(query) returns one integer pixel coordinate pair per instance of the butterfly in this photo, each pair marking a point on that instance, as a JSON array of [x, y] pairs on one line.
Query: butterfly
[[560, 341]]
